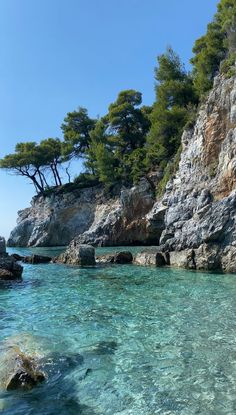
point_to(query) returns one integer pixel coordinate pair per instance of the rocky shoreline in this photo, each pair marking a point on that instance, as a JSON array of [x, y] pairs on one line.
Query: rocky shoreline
[[194, 221]]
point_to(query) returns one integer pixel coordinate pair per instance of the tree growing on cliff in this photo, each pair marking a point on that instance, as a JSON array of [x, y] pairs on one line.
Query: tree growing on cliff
[[34, 161], [26, 161], [76, 131], [218, 44], [174, 96]]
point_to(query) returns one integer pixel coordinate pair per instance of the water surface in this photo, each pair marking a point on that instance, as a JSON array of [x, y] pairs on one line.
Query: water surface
[[124, 340]]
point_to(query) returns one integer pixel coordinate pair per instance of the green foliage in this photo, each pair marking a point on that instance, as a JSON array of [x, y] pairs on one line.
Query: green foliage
[[175, 95], [76, 130], [131, 139], [128, 123], [227, 67], [217, 44]]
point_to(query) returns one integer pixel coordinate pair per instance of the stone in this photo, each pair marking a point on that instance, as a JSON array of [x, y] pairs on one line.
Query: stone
[[37, 259], [182, 259], [207, 257], [123, 257], [228, 259], [9, 269], [77, 254], [150, 258], [17, 257], [18, 371]]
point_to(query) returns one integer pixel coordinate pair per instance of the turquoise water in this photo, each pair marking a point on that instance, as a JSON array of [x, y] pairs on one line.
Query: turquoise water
[[123, 340]]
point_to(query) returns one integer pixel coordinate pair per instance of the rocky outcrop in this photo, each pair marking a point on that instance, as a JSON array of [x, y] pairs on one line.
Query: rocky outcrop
[[91, 215], [194, 220], [9, 269], [200, 201], [77, 254]]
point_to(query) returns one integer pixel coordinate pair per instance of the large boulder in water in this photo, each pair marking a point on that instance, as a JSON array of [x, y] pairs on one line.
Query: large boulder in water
[[77, 254], [18, 371]]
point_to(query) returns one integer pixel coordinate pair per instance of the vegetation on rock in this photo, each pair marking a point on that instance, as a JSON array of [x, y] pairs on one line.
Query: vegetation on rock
[[131, 139]]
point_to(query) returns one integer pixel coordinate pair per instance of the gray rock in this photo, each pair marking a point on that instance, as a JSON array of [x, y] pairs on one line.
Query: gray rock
[[123, 257], [228, 259], [207, 257], [37, 259], [2, 245], [182, 259], [18, 371], [77, 254], [146, 258], [9, 269]]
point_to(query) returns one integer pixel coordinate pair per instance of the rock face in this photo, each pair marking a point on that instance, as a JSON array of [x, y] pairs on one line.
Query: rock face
[[91, 216], [77, 254], [9, 269], [194, 220], [200, 201]]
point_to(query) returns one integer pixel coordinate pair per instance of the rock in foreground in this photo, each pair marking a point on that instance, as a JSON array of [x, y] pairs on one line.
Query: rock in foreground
[[77, 254], [18, 371]]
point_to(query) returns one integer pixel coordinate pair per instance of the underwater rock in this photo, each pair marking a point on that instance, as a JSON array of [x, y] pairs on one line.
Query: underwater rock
[[18, 371]]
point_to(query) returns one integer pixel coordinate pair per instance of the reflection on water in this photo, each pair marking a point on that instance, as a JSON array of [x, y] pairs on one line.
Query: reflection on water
[[123, 340]]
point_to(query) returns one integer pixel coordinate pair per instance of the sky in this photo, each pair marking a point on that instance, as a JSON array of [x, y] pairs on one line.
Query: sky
[[56, 55]]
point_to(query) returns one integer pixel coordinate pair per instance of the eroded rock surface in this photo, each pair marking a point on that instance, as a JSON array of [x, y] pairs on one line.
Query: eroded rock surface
[[77, 254]]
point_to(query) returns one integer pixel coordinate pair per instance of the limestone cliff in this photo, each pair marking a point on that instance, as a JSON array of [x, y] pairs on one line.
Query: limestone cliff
[[91, 215], [198, 208]]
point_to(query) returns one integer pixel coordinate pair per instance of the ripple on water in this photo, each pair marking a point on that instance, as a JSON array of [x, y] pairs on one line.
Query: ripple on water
[[124, 340]]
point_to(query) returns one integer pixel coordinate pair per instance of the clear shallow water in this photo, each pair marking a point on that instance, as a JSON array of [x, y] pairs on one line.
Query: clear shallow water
[[123, 340]]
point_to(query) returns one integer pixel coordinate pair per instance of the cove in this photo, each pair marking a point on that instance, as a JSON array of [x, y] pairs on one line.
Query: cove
[[122, 339]]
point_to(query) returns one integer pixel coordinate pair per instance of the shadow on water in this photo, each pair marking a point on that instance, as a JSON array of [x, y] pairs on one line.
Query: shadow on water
[[56, 396]]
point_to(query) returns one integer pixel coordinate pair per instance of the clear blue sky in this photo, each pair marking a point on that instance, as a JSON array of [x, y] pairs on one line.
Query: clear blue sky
[[59, 54]]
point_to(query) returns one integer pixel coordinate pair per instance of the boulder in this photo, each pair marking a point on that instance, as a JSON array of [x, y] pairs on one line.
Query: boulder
[[228, 259], [2, 246], [123, 257], [77, 254], [207, 257], [17, 257], [157, 259], [182, 259], [37, 259], [18, 371], [9, 269]]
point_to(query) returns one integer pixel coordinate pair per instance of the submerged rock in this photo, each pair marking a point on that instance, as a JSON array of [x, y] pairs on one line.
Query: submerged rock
[[18, 371], [77, 254]]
